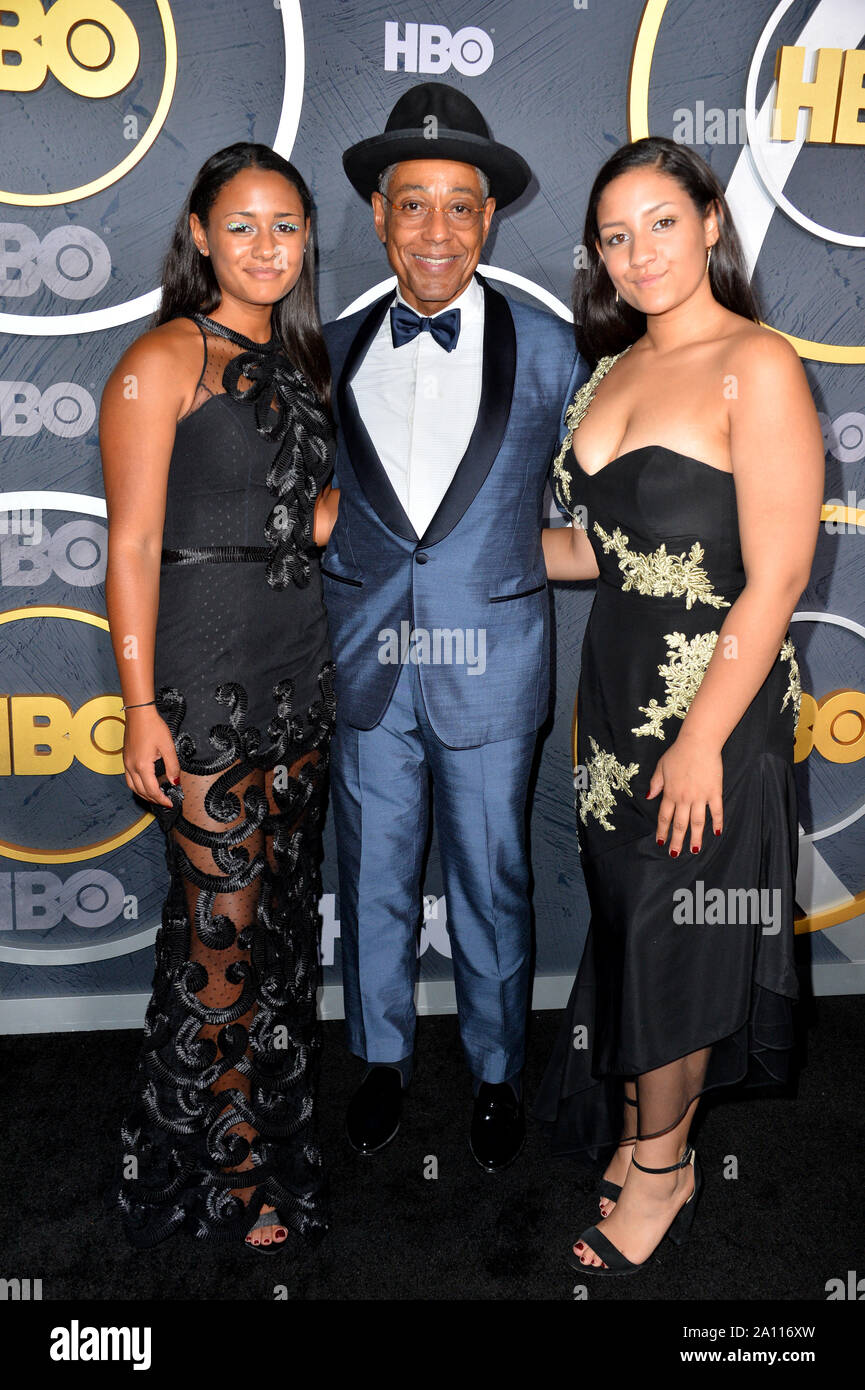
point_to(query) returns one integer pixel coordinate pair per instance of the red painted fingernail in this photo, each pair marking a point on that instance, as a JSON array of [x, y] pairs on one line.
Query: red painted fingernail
[[176, 782], [579, 1245], [674, 854], [661, 843], [717, 832], [695, 849]]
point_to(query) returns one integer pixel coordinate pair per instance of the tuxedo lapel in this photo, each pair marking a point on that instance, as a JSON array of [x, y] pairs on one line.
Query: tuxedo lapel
[[497, 389], [367, 465]]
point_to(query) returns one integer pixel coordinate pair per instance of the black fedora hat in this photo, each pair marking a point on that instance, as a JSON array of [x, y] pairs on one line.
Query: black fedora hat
[[457, 131]]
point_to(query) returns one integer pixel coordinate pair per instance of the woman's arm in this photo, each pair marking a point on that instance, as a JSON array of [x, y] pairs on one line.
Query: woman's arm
[[776, 449], [324, 515], [138, 414], [568, 553]]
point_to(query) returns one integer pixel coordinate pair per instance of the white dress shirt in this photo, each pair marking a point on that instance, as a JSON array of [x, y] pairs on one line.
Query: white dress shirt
[[419, 404]]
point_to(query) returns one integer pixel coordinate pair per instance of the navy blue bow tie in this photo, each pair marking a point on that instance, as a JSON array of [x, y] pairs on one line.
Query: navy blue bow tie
[[405, 325]]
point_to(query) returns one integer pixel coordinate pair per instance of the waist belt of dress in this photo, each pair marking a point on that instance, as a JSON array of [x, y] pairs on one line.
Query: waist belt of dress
[[214, 554]]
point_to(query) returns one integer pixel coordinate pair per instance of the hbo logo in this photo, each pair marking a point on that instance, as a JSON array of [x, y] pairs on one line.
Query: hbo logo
[[64, 408], [845, 435], [50, 746], [37, 901], [72, 261], [76, 553], [90, 46], [432, 48]]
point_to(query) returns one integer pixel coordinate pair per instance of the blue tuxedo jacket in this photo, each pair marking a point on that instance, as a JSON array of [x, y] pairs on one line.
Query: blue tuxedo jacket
[[473, 586]]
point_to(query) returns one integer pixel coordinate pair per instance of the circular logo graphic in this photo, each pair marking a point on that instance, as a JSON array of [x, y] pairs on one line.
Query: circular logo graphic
[[94, 51], [61, 754], [755, 189], [759, 136], [835, 727], [128, 79]]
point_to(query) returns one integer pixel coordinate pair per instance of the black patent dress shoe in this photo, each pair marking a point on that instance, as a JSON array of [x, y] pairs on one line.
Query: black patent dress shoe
[[374, 1110], [498, 1126]]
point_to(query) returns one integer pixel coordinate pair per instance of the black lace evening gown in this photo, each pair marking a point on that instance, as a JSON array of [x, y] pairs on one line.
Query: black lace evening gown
[[694, 952], [224, 1092]]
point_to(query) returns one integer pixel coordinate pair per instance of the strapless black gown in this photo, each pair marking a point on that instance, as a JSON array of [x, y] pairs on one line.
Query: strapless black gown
[[224, 1092], [697, 951]]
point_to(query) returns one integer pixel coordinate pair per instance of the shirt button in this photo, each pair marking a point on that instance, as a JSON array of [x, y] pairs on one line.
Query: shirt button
[[421, 558]]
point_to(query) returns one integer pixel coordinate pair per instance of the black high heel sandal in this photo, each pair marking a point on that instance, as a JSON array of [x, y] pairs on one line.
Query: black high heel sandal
[[611, 1190], [615, 1263]]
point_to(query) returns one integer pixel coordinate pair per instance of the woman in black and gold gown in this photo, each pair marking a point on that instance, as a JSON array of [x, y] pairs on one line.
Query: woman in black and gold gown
[[217, 444], [693, 470]]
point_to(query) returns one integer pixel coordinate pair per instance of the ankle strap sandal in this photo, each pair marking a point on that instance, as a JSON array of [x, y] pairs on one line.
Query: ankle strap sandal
[[615, 1263]]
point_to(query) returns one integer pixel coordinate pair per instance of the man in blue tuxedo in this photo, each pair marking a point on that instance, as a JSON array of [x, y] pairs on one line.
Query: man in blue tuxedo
[[448, 399]]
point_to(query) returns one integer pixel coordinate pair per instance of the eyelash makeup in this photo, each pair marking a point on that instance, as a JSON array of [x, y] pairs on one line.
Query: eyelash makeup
[[240, 226]]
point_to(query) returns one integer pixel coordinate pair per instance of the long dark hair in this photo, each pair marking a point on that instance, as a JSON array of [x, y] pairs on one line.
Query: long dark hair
[[189, 285], [604, 326]]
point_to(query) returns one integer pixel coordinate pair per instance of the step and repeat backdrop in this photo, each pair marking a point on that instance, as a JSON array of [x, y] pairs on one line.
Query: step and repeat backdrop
[[106, 111]]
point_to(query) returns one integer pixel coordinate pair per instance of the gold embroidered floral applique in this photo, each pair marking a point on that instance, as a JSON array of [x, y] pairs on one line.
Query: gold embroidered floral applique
[[682, 676], [606, 776], [658, 574], [573, 417], [794, 685]]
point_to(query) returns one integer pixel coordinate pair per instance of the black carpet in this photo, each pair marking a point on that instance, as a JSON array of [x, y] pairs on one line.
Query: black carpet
[[790, 1221]]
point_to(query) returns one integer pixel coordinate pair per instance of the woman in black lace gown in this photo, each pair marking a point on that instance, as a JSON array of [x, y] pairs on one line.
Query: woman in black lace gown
[[216, 444], [693, 470]]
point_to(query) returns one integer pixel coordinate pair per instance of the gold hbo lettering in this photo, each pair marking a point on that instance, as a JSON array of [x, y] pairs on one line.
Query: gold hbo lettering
[[41, 735], [834, 96], [90, 46], [834, 725]]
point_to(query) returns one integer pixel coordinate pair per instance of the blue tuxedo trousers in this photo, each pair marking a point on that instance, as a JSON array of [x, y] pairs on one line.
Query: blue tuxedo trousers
[[392, 772]]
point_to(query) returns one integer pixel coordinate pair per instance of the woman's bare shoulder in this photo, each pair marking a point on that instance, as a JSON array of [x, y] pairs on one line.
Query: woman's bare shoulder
[[167, 359], [176, 342], [752, 347]]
